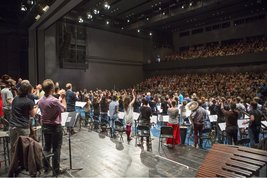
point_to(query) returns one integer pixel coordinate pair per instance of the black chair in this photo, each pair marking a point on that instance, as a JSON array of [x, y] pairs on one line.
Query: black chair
[[105, 126], [207, 136], [243, 142], [165, 132], [144, 131], [119, 128]]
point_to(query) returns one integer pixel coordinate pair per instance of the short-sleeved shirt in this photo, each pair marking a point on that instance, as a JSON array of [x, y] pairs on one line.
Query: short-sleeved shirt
[[51, 110], [21, 107], [6, 95]]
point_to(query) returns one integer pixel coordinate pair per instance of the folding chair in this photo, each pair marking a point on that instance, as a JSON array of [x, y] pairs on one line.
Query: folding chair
[[119, 128], [165, 132], [243, 142], [144, 131], [104, 125]]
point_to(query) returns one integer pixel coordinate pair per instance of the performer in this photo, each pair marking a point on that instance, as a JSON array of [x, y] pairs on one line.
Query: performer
[[51, 110], [231, 118], [173, 113], [197, 117], [254, 121], [22, 109], [128, 114]]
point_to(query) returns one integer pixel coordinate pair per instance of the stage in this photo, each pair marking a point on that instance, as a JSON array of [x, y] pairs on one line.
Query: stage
[[102, 156]]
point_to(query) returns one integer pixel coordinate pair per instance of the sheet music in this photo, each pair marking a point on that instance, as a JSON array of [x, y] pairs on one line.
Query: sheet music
[[187, 113], [154, 119], [222, 126], [80, 104], [246, 116], [135, 115], [159, 108], [213, 118], [36, 101], [121, 115], [240, 123], [64, 117], [39, 112], [264, 123]]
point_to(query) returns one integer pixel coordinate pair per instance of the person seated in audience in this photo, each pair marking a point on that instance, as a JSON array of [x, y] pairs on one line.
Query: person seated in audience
[[255, 116], [173, 113], [231, 118], [128, 114]]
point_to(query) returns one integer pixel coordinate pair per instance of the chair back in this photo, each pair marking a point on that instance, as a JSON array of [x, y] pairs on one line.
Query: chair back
[[118, 124], [143, 127], [243, 141], [166, 130]]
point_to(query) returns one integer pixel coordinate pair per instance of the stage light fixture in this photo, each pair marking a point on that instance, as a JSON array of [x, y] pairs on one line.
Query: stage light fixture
[[107, 22], [30, 2], [138, 30], [190, 4], [122, 28], [46, 8], [106, 6], [96, 11], [163, 13], [23, 8], [89, 15], [128, 20], [147, 18], [37, 17], [150, 34], [80, 20], [182, 6]]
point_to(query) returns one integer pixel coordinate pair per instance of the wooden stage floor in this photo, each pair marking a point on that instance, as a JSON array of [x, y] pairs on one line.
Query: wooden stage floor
[[102, 156]]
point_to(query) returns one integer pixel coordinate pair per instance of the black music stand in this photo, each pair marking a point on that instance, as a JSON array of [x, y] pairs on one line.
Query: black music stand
[[71, 119]]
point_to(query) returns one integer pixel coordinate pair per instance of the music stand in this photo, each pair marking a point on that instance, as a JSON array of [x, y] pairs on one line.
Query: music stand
[[69, 120]]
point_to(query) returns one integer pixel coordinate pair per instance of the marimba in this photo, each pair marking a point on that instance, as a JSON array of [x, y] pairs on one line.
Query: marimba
[[232, 161]]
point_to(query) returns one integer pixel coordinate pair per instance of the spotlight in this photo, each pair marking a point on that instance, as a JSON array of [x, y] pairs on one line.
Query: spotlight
[[138, 30], [147, 18], [96, 11], [37, 17], [163, 13], [106, 6], [150, 34], [30, 2], [23, 8], [190, 4], [80, 20], [107, 22], [182, 6], [45, 8], [122, 28], [89, 15], [128, 20]]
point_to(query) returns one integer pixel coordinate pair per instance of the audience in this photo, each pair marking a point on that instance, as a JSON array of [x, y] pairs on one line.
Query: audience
[[227, 49]]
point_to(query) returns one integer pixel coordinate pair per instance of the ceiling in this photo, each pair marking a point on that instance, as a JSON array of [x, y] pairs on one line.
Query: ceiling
[[145, 16]]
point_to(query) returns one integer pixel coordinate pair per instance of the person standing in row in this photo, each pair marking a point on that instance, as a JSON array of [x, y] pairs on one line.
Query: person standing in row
[[51, 109], [22, 109]]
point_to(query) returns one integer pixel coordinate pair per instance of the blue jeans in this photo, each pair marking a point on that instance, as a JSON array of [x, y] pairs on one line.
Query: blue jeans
[[253, 134]]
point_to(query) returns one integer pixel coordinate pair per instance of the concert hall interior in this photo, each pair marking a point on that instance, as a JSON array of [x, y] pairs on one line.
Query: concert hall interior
[[133, 88]]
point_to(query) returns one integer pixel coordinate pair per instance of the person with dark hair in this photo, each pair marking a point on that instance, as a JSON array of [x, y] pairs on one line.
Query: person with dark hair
[[22, 109], [254, 122], [145, 113], [51, 109], [231, 118], [104, 109], [128, 114]]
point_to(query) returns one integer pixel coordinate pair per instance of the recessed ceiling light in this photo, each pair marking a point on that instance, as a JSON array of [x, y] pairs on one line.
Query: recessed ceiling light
[[190, 4], [122, 28], [107, 22], [182, 6], [163, 13], [96, 11], [128, 20], [150, 34], [30, 2], [147, 18], [138, 30]]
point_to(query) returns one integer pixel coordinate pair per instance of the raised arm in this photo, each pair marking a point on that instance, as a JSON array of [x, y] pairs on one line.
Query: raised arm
[[134, 97]]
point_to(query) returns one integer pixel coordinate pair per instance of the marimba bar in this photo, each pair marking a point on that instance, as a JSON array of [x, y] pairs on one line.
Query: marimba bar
[[232, 161]]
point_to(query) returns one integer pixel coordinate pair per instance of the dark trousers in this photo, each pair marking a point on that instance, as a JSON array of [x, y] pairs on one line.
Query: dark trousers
[[7, 116], [53, 140], [231, 133], [198, 134]]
